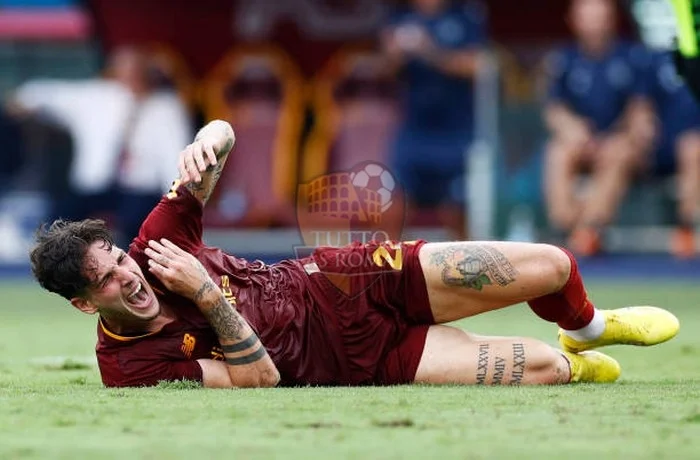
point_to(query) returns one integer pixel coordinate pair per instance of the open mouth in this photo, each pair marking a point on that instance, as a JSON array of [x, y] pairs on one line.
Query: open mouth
[[139, 298]]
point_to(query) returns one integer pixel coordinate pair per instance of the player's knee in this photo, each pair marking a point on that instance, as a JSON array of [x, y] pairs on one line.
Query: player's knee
[[556, 265]]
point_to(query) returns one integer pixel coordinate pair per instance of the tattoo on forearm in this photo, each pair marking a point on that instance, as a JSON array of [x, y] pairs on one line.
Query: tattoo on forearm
[[229, 326], [499, 370], [518, 363], [225, 320], [482, 364], [474, 266], [226, 149], [207, 287], [250, 342], [257, 355], [205, 188]]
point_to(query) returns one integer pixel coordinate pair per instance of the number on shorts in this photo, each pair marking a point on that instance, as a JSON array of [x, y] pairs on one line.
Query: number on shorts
[[382, 257]]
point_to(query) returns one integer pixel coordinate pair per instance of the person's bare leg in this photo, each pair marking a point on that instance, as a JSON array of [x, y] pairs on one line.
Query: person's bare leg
[[682, 242], [616, 162], [562, 161], [688, 151], [453, 356], [468, 278]]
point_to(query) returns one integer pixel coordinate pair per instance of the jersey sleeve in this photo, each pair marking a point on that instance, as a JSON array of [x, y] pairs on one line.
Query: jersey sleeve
[[137, 371], [177, 217]]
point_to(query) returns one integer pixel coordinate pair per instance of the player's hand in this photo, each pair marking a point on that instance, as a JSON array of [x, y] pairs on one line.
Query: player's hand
[[196, 158], [177, 269]]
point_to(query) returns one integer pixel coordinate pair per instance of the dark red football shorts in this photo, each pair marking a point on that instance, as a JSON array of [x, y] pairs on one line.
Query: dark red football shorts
[[380, 299]]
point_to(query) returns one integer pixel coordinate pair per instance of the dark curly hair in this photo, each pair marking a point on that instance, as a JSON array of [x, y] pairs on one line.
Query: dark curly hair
[[58, 258]]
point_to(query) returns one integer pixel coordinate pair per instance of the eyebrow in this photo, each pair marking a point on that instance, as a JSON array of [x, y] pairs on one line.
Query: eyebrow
[[104, 277]]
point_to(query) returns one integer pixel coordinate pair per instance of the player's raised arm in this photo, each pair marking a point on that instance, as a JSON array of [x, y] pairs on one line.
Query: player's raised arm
[[200, 163], [247, 361]]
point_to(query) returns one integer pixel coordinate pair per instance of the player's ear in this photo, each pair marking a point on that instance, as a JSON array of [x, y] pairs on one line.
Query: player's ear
[[84, 305]]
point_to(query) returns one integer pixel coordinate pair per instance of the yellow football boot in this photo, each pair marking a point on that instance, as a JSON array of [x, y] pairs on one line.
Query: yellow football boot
[[592, 366], [642, 326]]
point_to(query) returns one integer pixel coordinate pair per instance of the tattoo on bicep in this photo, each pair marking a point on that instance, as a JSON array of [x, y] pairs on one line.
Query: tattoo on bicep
[[482, 364], [518, 363], [473, 266]]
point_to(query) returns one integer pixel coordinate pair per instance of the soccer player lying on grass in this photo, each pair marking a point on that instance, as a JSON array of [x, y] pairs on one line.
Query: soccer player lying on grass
[[172, 308]]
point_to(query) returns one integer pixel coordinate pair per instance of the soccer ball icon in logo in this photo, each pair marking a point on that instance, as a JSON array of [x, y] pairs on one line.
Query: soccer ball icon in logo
[[373, 176]]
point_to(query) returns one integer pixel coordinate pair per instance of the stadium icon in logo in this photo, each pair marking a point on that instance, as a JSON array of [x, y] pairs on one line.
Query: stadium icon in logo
[[361, 205]]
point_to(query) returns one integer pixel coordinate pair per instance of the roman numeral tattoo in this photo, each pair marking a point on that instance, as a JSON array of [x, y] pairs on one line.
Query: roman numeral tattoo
[[518, 363], [499, 369], [482, 364]]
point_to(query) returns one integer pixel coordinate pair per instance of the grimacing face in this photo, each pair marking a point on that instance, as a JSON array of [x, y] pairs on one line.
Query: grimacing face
[[119, 291]]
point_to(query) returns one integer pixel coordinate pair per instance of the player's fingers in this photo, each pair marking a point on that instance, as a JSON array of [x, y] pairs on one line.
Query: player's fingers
[[192, 170], [173, 247], [182, 169], [211, 155], [199, 157], [161, 249], [159, 271], [157, 257]]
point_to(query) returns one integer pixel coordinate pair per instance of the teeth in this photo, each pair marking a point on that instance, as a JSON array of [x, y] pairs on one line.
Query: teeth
[[136, 291]]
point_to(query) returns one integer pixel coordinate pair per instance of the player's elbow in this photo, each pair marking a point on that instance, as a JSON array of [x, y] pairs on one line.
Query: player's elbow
[[268, 378], [226, 130]]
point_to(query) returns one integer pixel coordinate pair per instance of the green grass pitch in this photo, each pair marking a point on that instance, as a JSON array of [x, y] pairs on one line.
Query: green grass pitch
[[52, 404]]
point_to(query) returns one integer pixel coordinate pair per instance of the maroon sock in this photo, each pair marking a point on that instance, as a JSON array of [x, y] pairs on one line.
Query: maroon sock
[[570, 307]]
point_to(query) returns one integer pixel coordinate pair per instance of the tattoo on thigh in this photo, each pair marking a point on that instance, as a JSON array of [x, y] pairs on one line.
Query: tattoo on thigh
[[499, 369], [474, 267], [482, 364], [518, 363]]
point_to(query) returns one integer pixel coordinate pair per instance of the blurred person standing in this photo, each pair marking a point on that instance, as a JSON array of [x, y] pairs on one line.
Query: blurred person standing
[[678, 145], [118, 167], [600, 120], [435, 46]]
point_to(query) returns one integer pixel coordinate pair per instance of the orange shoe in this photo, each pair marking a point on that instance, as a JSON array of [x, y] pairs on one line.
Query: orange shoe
[[585, 241], [683, 243]]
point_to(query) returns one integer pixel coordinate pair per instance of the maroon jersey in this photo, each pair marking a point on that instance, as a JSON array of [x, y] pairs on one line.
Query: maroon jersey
[[318, 329]]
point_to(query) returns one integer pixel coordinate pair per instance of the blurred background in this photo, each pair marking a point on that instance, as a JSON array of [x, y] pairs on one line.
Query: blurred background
[[545, 120]]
